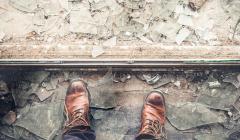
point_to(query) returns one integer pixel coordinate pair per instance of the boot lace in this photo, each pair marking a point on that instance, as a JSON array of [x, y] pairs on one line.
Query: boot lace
[[77, 116], [155, 128]]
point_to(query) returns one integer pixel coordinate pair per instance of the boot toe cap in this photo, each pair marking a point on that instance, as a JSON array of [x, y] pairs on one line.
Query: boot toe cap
[[76, 86], [155, 98]]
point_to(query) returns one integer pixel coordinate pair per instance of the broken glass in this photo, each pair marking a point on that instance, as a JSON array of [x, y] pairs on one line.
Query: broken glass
[[234, 136], [3, 88], [97, 51], [7, 132], [210, 137], [121, 77], [6, 104], [194, 115], [233, 78], [22, 133], [9, 118], [81, 20], [102, 92], [24, 5], [110, 42], [196, 4], [124, 123], [35, 120], [168, 29], [218, 98], [150, 78], [43, 94], [36, 77], [182, 35]]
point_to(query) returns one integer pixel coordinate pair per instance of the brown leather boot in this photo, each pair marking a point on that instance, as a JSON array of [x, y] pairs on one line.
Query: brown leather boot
[[77, 106], [153, 118]]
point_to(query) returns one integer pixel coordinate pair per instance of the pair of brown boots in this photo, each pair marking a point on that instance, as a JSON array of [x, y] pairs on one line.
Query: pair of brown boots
[[77, 110]]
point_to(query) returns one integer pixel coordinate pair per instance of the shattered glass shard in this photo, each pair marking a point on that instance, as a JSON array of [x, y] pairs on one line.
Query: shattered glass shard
[[233, 79], [24, 5], [182, 35], [210, 137], [185, 20], [168, 29], [103, 93], [43, 94], [196, 4], [35, 120], [81, 21], [9, 118], [97, 51], [3, 88], [194, 115], [110, 42], [218, 98], [36, 77]]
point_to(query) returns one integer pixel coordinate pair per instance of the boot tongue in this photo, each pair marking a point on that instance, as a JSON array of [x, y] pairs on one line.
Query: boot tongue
[[154, 113]]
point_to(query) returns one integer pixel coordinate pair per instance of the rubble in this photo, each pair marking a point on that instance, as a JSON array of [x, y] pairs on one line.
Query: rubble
[[34, 120], [116, 103], [97, 51], [217, 98], [62, 47], [196, 4], [182, 9], [151, 79], [165, 79], [121, 77], [6, 133], [6, 104], [214, 84], [81, 20], [123, 19], [185, 20], [235, 110], [145, 39], [22, 89], [210, 137], [177, 84], [36, 77], [25, 6], [103, 93], [46, 88], [182, 35], [64, 4], [194, 115], [124, 114], [233, 79], [9, 118], [29, 85], [3, 88], [43, 94], [235, 29], [168, 29], [111, 42], [234, 136], [2, 35], [103, 98]]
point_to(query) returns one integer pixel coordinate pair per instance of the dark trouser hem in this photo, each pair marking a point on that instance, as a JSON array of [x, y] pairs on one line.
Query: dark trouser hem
[[79, 134], [145, 137]]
